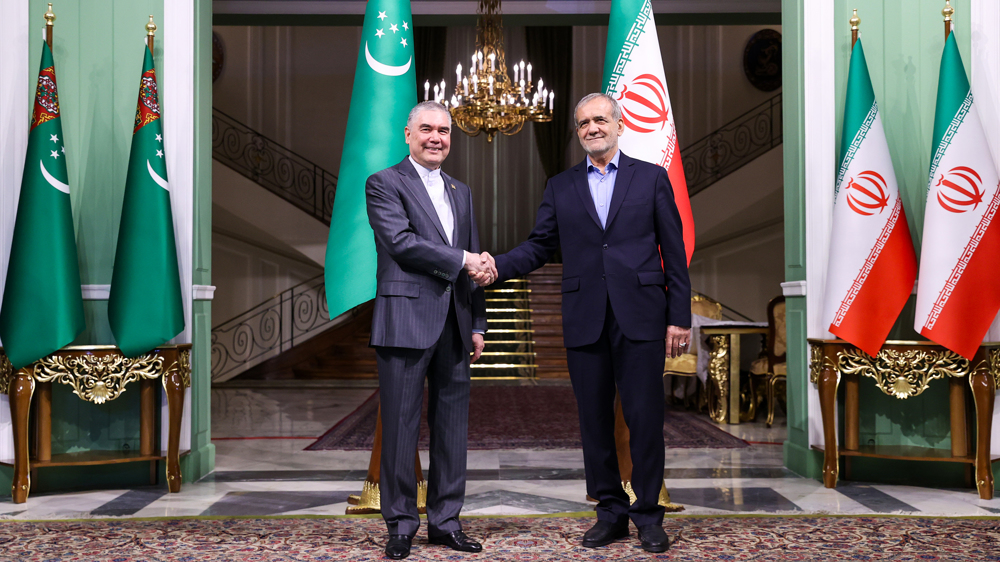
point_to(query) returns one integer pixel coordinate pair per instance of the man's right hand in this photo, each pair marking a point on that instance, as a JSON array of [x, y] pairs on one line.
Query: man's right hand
[[482, 268]]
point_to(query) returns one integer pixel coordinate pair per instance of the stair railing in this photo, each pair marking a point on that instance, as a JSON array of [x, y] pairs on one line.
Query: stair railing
[[732, 146], [273, 326], [289, 175]]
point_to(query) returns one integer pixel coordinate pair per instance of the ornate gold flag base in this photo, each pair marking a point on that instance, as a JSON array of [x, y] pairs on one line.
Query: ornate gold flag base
[[369, 501], [625, 463]]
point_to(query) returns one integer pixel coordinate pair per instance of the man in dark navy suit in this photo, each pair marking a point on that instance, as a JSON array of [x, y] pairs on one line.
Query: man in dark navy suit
[[614, 218]]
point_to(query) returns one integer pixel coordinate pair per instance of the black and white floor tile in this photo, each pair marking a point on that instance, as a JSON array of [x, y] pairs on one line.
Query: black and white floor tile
[[276, 476]]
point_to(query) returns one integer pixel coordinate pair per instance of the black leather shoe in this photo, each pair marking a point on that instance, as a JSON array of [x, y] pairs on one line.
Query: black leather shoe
[[456, 540], [398, 546], [653, 538], [604, 533]]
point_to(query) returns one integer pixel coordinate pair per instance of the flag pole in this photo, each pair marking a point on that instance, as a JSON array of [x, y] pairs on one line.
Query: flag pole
[[855, 21], [150, 33], [50, 18], [947, 12]]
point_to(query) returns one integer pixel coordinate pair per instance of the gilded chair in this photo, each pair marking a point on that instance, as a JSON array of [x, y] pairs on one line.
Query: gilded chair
[[687, 364], [773, 366]]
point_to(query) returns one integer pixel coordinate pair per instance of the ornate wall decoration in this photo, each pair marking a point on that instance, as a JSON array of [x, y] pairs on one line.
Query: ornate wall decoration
[[718, 372], [218, 56], [903, 373], [762, 60], [97, 378]]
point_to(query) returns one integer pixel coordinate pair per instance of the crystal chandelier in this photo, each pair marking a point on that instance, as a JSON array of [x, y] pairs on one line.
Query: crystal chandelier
[[486, 100]]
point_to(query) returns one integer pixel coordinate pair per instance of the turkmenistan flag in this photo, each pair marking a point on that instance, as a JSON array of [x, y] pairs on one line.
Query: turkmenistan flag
[[145, 308], [42, 307], [385, 90], [872, 264], [633, 75], [958, 292]]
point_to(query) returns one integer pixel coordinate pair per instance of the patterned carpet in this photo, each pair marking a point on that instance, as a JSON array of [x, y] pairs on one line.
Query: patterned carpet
[[544, 539], [522, 417]]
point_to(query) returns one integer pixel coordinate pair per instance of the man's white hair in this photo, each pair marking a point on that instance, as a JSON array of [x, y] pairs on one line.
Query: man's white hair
[[616, 112], [426, 106]]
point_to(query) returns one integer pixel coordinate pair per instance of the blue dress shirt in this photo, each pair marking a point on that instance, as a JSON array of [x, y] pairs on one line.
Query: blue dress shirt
[[602, 186]]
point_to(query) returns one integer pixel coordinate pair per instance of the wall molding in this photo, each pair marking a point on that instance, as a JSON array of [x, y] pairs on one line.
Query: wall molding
[[103, 292], [793, 288]]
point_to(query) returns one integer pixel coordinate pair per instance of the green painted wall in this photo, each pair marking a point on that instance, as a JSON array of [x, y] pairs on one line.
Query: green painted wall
[[98, 59], [903, 40], [798, 457], [201, 461]]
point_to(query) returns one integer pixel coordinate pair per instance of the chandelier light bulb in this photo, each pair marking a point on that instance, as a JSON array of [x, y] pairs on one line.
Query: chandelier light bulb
[[515, 73], [492, 57], [552, 98], [540, 84], [427, 88], [529, 72], [465, 86]]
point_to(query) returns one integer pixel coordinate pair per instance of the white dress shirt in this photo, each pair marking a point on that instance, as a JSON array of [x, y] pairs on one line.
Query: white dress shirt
[[435, 187]]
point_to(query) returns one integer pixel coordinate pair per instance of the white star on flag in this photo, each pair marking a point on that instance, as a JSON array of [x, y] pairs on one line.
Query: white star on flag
[[382, 16], [63, 149], [406, 25], [379, 33], [159, 153], [55, 154], [393, 28], [159, 138], [403, 42], [54, 138]]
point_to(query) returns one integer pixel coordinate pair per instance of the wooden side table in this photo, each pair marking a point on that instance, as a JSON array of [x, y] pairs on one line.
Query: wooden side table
[[905, 369], [97, 374], [724, 367]]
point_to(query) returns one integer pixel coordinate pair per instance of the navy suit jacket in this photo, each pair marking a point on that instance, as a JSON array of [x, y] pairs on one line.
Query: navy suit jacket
[[620, 263], [419, 274]]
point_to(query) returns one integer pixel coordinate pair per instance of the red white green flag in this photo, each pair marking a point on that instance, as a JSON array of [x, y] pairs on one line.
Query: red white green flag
[[633, 75], [958, 294], [872, 264]]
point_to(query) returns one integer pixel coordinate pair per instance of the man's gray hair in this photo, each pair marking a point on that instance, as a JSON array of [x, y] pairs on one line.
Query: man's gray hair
[[616, 112], [426, 106]]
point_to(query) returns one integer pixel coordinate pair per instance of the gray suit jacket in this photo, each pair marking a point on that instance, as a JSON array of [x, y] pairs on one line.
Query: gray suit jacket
[[419, 274]]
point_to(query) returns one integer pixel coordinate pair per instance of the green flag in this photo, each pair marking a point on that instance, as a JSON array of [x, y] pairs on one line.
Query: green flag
[[385, 90], [145, 308], [42, 307]]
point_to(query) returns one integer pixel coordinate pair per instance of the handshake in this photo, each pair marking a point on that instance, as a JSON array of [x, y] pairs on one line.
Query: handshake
[[482, 268]]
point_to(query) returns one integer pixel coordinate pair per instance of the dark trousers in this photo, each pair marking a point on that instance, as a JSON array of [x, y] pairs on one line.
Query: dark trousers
[[635, 369], [401, 375]]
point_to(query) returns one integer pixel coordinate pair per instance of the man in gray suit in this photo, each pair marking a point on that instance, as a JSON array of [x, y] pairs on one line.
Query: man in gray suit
[[429, 316]]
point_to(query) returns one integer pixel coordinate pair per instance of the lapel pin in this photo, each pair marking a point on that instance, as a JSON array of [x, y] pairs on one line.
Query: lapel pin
[[453, 186]]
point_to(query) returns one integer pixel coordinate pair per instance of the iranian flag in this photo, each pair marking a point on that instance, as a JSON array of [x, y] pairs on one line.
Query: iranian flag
[[385, 89], [42, 307], [958, 294], [144, 308], [872, 264], [633, 75]]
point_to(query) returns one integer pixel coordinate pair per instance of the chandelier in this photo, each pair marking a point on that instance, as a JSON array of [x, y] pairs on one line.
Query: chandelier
[[486, 100]]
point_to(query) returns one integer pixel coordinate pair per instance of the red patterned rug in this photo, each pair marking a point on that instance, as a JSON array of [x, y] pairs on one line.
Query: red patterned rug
[[522, 417], [541, 539]]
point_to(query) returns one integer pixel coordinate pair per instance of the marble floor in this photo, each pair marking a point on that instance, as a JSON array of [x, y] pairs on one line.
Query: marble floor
[[260, 434]]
